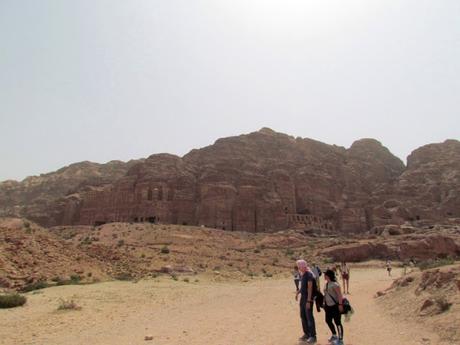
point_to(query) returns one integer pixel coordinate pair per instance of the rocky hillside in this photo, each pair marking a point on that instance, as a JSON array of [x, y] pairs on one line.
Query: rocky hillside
[[43, 199], [29, 254], [400, 243], [430, 298], [261, 182]]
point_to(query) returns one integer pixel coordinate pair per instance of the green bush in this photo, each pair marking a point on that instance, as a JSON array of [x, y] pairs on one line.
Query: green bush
[[165, 250], [12, 300]]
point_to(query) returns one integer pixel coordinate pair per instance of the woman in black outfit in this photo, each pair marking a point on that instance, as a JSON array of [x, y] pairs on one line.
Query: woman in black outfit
[[333, 306]]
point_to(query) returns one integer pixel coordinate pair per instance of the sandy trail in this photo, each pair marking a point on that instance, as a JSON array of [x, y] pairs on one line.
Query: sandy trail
[[261, 312]]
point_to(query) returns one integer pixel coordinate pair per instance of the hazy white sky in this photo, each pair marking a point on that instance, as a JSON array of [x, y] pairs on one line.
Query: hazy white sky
[[101, 80]]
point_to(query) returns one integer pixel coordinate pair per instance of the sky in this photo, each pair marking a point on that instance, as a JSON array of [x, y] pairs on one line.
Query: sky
[[101, 80]]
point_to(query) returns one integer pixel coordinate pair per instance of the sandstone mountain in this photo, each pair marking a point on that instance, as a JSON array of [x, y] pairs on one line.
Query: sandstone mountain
[[259, 182], [44, 198]]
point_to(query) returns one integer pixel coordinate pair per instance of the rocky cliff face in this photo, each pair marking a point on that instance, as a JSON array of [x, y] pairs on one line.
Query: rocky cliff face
[[267, 181], [428, 189], [263, 181], [45, 198]]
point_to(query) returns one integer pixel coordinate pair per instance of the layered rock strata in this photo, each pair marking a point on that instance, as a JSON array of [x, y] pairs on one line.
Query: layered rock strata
[[267, 181]]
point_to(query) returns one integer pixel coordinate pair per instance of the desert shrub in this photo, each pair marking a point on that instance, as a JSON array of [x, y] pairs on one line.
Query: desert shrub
[[268, 275], [142, 255], [174, 277], [425, 265], [197, 280], [120, 243], [257, 250], [68, 305], [12, 300], [41, 284], [187, 280], [443, 304], [289, 252], [328, 260], [86, 241], [165, 250], [124, 276], [75, 279]]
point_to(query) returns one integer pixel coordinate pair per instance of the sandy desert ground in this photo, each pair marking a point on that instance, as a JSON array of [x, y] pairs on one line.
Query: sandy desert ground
[[259, 312]]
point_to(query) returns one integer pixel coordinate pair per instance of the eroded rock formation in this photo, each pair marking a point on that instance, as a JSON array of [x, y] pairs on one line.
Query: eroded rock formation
[[267, 181]]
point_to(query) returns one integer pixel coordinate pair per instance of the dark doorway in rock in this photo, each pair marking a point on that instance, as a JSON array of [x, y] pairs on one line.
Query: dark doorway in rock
[[136, 220], [304, 211], [152, 219], [99, 223]]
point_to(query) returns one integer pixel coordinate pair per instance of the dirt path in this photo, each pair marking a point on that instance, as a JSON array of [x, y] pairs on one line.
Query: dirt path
[[261, 312]]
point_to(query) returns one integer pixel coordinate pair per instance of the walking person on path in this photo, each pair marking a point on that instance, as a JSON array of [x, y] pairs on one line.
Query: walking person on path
[[317, 272], [333, 307], [388, 266], [307, 294], [345, 271]]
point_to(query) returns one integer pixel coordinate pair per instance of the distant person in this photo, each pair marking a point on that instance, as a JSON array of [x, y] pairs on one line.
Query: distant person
[[333, 307], [296, 279], [307, 294], [345, 271], [412, 264], [388, 266], [317, 272]]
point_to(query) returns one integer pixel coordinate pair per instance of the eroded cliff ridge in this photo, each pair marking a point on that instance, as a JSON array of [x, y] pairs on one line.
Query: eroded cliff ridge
[[262, 181]]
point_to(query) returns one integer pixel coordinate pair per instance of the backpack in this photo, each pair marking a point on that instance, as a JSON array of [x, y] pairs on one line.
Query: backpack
[[319, 301]]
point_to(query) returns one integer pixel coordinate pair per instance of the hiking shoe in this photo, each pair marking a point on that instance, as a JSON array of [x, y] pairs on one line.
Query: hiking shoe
[[338, 342], [303, 338], [333, 339], [311, 340]]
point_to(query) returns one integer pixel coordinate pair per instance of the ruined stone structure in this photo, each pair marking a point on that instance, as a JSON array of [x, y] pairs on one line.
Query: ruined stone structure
[[308, 222], [262, 181]]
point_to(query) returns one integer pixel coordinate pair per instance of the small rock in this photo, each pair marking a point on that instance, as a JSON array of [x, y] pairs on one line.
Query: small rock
[[148, 337], [380, 294]]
